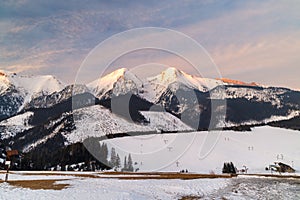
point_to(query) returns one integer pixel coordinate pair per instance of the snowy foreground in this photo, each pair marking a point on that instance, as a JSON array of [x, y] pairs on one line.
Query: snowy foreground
[[201, 152], [242, 187], [102, 188]]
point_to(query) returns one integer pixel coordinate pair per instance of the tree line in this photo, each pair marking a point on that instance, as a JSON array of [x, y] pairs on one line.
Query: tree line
[[74, 157]]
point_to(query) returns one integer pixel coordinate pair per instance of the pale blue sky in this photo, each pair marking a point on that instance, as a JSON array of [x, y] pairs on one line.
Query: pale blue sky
[[248, 40]]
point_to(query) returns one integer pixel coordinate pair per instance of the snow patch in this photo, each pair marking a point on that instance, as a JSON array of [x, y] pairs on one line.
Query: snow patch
[[97, 121], [165, 121]]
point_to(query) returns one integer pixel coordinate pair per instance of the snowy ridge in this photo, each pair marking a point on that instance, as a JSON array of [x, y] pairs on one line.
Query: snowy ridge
[[173, 75], [260, 95], [236, 82], [122, 81], [35, 85], [29, 87], [273, 118], [10, 127], [45, 101], [173, 79]]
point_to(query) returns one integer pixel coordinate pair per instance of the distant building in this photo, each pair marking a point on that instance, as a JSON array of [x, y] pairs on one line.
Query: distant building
[[281, 167], [285, 168]]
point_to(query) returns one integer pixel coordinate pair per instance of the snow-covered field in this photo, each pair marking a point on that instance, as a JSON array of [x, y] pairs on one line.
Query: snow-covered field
[[78, 187], [100, 188], [205, 152]]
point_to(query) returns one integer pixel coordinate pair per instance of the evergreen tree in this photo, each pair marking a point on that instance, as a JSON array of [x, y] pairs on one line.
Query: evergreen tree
[[130, 164], [118, 161], [125, 164], [232, 168], [103, 153], [224, 170], [113, 157]]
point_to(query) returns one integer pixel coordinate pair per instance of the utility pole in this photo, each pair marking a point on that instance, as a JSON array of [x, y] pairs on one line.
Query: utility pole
[[9, 154], [7, 164]]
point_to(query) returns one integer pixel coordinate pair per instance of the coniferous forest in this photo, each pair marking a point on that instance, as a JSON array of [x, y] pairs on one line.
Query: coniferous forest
[[74, 157]]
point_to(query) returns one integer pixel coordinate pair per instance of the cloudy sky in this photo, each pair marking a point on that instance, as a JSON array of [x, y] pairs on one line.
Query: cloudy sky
[[248, 40]]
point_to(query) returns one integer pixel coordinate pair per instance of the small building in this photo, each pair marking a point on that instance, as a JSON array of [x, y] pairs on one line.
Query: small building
[[285, 168], [281, 168]]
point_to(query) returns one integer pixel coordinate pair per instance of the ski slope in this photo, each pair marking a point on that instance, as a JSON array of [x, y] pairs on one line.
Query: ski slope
[[205, 152]]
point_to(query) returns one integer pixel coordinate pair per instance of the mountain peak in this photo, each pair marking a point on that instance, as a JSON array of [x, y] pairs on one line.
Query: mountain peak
[[109, 79], [120, 81], [118, 72], [171, 73], [174, 79], [168, 76]]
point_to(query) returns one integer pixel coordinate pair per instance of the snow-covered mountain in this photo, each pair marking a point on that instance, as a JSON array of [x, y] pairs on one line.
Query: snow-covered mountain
[[174, 79], [30, 86], [123, 81], [46, 101], [174, 90], [116, 83], [97, 121], [18, 90], [37, 112]]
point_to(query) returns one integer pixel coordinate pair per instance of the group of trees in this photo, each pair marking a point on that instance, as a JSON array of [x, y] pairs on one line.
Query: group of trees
[[229, 168], [72, 157], [115, 161], [64, 158]]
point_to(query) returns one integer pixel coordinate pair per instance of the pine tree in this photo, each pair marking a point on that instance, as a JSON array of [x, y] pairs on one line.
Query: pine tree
[[103, 153], [224, 170], [232, 168], [118, 161], [125, 164], [129, 164], [113, 157]]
